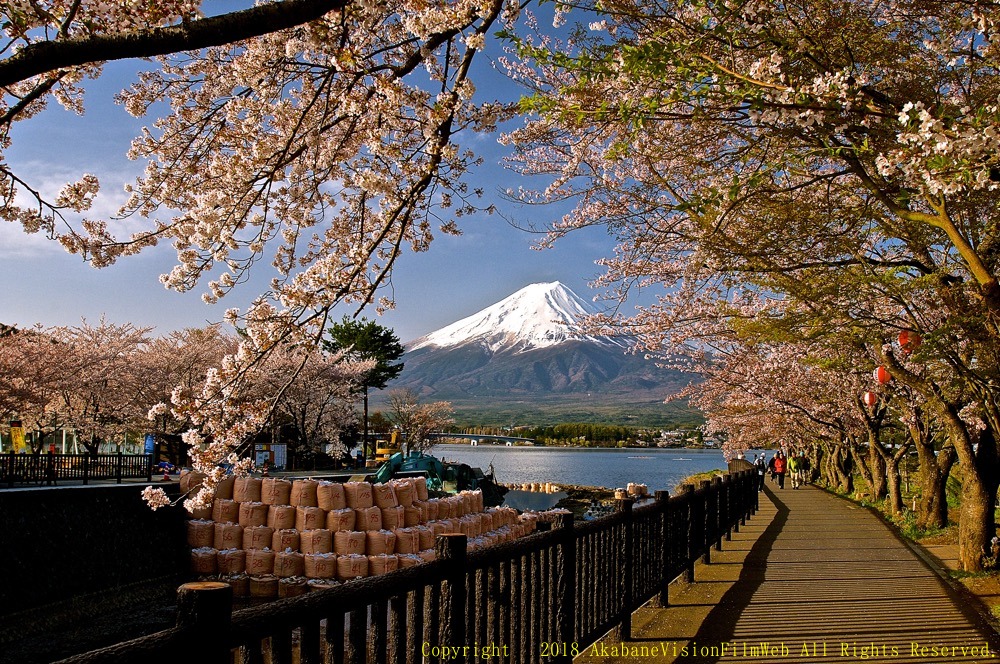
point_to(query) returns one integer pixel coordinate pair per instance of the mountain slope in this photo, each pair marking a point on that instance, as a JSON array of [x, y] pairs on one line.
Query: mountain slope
[[528, 348]]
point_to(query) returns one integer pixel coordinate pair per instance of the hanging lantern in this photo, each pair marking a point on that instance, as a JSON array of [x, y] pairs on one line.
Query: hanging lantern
[[881, 375], [909, 341], [869, 399]]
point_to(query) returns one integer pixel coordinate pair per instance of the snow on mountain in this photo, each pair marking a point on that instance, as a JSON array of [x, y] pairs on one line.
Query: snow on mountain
[[537, 316]]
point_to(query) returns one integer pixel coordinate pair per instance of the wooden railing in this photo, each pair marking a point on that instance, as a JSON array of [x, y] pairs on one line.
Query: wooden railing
[[543, 598], [49, 469]]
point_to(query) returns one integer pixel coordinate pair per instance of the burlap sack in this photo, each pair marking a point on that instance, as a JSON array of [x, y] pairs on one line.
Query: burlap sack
[[330, 496], [348, 542], [317, 541], [430, 510], [240, 583], [231, 561], [439, 527], [320, 565], [316, 585], [309, 518], [381, 564], [368, 518], [288, 563], [280, 517], [253, 514], [411, 516], [247, 490], [383, 496], [379, 542], [264, 586], [304, 493], [358, 495], [203, 560], [427, 555], [203, 513], [342, 519], [275, 491], [224, 489], [200, 533], [292, 587], [405, 493], [408, 560], [225, 511], [190, 480], [392, 517], [260, 562], [258, 537], [228, 536], [426, 536], [286, 538], [420, 485], [407, 540], [352, 567], [445, 509]]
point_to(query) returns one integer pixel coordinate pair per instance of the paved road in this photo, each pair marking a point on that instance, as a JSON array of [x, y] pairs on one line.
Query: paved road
[[811, 578]]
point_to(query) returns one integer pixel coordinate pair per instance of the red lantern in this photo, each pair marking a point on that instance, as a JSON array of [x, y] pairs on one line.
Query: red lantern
[[881, 375], [909, 341], [869, 399]]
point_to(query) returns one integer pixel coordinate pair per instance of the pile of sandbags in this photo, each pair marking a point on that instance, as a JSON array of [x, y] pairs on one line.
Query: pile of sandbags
[[274, 537]]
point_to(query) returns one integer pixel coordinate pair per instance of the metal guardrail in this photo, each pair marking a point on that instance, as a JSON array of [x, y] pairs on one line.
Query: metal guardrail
[[543, 598], [50, 469]]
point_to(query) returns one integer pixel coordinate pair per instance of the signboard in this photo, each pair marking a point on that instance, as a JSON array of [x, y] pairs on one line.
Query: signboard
[[17, 441], [150, 446]]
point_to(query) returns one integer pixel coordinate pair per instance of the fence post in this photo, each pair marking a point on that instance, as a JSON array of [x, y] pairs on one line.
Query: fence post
[[452, 547], [663, 501], [719, 517], [565, 587], [10, 469], [707, 514], [692, 532], [118, 468], [205, 609], [50, 468], [628, 569], [149, 467], [86, 467]]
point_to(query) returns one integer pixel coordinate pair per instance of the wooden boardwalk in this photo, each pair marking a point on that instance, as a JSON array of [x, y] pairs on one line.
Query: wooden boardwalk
[[815, 579]]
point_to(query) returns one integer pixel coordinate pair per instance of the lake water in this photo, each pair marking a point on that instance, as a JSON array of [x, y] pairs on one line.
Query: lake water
[[656, 468]]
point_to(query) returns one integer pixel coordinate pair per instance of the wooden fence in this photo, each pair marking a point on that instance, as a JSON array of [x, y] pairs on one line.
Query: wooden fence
[[50, 469], [543, 598]]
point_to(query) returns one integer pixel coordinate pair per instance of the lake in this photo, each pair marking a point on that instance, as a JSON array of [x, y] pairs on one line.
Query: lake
[[612, 468]]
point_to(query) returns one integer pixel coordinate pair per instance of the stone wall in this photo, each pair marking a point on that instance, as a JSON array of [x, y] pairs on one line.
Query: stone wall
[[62, 543]]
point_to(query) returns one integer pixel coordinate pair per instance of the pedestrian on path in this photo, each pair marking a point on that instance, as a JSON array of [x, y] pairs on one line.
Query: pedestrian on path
[[760, 467], [794, 469], [770, 467], [780, 466]]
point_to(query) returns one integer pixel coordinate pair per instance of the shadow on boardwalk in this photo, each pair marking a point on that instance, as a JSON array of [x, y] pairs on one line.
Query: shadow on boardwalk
[[811, 578]]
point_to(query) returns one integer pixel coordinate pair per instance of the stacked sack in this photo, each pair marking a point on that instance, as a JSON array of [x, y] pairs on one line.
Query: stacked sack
[[273, 537]]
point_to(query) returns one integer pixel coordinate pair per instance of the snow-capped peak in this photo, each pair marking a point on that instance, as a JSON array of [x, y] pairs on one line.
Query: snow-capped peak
[[536, 316]]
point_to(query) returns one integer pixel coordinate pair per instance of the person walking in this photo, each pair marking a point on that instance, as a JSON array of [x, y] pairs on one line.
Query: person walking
[[794, 469], [761, 468], [770, 467], [780, 467], [805, 467]]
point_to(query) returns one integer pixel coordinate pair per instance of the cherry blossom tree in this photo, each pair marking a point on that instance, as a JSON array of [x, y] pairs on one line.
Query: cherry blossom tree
[[415, 419], [838, 156]]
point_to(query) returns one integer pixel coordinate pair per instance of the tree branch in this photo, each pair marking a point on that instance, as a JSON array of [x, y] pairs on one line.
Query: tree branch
[[42, 57]]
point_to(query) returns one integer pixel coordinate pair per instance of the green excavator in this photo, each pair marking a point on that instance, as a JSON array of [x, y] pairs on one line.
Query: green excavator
[[442, 476]]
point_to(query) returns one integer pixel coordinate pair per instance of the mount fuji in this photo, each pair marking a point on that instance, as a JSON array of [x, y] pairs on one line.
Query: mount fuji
[[528, 353]]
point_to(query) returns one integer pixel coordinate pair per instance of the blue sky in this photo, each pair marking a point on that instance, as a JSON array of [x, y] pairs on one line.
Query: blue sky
[[458, 276]]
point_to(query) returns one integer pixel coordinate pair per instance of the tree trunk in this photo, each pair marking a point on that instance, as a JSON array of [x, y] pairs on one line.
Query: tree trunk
[[894, 492], [932, 508], [977, 525]]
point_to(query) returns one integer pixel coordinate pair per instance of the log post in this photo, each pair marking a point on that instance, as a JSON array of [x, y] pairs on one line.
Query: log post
[[691, 530], [663, 501], [627, 571], [204, 608], [452, 547], [565, 587]]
